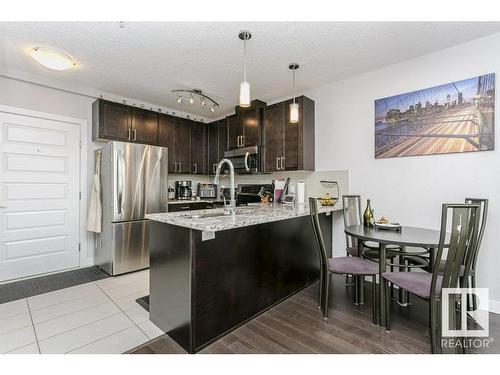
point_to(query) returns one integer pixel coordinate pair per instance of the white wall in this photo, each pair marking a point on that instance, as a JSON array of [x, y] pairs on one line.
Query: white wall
[[24, 95], [411, 190]]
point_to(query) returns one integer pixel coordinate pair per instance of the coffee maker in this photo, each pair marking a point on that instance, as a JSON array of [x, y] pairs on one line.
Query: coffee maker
[[183, 190]]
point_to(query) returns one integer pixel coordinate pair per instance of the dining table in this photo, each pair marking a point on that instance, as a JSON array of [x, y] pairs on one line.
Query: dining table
[[405, 237]]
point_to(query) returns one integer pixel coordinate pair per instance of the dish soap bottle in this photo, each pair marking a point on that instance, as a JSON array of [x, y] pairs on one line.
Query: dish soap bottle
[[368, 215]]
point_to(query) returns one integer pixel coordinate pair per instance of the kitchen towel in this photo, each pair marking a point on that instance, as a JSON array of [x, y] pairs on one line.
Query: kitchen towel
[[94, 217]]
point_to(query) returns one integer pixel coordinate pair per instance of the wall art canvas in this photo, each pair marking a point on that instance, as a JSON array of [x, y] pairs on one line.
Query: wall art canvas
[[455, 117]]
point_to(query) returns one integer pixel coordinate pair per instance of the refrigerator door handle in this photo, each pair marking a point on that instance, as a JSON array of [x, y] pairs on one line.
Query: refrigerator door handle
[[119, 183]]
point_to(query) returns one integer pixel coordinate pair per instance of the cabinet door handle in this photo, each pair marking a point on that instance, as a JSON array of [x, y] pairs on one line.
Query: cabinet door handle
[[277, 164], [129, 134], [214, 168], [180, 166], [134, 132], [195, 168], [239, 141], [283, 163], [242, 141]]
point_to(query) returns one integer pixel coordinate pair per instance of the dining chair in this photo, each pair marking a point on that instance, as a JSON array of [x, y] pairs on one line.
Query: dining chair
[[464, 226], [348, 265], [467, 271], [351, 209]]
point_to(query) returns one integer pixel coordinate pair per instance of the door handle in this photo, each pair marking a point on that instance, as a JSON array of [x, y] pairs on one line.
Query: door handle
[[239, 141], [134, 132], [214, 168], [180, 167], [246, 162], [283, 163], [129, 134], [242, 141], [278, 164], [195, 168]]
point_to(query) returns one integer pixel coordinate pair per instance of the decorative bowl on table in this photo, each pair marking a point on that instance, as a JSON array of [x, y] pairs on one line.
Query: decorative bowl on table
[[327, 200]]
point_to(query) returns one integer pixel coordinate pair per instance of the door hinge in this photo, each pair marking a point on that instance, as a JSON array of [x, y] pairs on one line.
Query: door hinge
[[81, 144], [80, 195]]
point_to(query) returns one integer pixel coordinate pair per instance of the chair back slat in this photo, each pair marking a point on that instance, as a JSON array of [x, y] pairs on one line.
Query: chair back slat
[[470, 262], [313, 207], [461, 240], [351, 209]]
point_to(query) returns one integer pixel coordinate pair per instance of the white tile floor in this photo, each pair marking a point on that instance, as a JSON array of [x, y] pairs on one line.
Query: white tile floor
[[100, 317]]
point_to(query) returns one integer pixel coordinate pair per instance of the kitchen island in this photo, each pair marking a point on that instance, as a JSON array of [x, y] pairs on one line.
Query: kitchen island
[[211, 272]]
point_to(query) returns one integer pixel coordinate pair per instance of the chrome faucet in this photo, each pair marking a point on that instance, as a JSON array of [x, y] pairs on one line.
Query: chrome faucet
[[232, 202]]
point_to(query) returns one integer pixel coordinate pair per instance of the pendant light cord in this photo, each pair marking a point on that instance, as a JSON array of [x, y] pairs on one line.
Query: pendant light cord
[[293, 74], [244, 60]]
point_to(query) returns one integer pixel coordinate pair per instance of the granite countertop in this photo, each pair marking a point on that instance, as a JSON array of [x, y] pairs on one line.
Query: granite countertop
[[253, 214], [184, 201]]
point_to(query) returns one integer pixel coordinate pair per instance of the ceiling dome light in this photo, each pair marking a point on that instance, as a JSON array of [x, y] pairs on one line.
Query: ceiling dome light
[[245, 86], [52, 59]]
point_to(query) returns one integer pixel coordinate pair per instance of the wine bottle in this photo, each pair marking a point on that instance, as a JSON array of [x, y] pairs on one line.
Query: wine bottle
[[368, 215]]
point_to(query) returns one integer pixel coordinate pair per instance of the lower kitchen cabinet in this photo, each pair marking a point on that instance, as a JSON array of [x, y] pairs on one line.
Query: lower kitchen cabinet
[[189, 205]]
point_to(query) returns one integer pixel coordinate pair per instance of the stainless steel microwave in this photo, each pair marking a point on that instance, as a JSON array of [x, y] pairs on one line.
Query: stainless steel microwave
[[245, 160]]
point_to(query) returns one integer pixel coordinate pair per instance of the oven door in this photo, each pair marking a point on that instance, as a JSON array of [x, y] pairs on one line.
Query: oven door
[[245, 160]]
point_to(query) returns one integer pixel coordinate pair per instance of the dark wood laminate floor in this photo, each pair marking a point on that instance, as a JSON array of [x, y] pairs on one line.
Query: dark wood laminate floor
[[296, 326]]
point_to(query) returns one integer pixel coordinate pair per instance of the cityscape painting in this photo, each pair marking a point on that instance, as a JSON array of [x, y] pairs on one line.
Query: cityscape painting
[[455, 117]]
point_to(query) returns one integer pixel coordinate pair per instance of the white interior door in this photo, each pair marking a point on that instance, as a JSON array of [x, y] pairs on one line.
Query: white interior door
[[39, 195]]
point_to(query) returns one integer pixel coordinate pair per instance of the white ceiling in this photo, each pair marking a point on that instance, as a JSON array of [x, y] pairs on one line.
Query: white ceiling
[[145, 60]]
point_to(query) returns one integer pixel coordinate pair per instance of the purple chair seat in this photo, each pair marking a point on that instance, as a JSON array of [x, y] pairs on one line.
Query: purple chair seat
[[352, 266], [418, 283], [353, 251]]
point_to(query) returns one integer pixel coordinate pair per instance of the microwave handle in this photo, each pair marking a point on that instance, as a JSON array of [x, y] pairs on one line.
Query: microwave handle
[[246, 162]]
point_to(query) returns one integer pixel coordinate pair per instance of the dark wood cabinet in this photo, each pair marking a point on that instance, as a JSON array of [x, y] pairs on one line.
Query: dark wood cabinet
[[166, 138], [189, 206], [274, 126], [182, 145], [244, 127], [222, 139], [234, 130], [199, 148], [111, 121], [216, 143], [287, 146], [144, 126]]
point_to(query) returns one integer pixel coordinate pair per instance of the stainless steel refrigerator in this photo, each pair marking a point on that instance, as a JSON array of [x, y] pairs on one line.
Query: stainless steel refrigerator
[[134, 183]]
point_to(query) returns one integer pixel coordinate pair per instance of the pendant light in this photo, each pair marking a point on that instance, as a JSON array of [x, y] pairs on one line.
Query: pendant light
[[245, 86], [294, 107]]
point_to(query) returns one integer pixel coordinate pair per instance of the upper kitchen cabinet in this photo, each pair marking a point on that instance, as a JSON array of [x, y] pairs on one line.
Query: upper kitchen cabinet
[[111, 121], [244, 127], [175, 134], [288, 146], [144, 126], [182, 145], [217, 144], [166, 138], [119, 122], [198, 148]]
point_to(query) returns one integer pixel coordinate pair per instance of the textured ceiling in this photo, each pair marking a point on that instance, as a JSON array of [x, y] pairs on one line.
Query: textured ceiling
[[146, 60]]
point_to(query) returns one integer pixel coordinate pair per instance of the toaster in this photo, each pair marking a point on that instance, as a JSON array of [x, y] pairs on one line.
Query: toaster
[[207, 191]]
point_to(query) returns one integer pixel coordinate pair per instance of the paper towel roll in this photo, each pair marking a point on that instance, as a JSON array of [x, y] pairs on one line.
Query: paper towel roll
[[301, 192]]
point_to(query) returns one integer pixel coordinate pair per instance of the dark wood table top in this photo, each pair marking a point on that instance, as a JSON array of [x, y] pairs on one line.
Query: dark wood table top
[[408, 236]]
